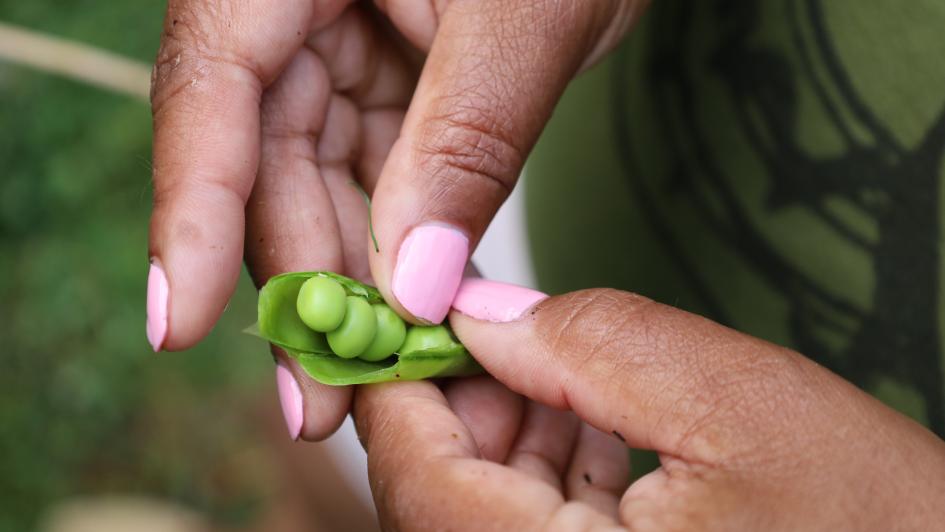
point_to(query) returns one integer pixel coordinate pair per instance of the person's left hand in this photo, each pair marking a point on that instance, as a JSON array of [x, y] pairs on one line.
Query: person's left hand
[[751, 436], [266, 112]]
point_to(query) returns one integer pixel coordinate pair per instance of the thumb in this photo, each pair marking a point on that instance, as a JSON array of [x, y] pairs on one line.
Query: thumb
[[652, 375], [494, 73], [748, 432]]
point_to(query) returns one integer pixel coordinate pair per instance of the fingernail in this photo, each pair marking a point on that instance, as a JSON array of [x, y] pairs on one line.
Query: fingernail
[[157, 307], [429, 268], [290, 396], [494, 301]]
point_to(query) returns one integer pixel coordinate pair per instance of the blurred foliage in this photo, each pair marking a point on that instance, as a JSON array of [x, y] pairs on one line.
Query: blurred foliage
[[85, 407]]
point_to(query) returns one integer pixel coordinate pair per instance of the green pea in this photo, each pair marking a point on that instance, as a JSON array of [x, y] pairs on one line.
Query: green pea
[[321, 304], [391, 331], [357, 329], [429, 352], [420, 338]]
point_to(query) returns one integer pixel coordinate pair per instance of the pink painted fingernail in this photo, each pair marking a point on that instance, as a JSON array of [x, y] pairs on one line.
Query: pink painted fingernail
[[494, 301], [157, 307], [290, 396], [429, 268]]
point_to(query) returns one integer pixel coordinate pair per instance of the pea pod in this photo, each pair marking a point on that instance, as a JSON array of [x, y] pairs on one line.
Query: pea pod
[[425, 352]]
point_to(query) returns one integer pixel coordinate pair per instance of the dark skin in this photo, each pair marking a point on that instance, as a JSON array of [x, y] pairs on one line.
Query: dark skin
[[265, 111], [751, 436]]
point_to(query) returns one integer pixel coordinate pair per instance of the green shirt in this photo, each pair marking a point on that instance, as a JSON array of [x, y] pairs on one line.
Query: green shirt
[[773, 165]]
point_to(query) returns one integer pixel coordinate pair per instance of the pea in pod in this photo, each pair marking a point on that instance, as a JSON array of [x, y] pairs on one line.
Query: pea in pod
[[351, 336]]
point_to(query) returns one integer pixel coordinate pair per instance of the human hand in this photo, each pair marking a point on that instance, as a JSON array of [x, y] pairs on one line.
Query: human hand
[[750, 436], [265, 111]]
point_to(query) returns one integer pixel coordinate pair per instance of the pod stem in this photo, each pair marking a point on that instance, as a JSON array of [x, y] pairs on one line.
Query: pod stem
[[367, 200]]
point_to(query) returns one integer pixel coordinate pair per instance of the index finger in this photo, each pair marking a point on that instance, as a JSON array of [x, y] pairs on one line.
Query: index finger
[[426, 475], [214, 61], [489, 85]]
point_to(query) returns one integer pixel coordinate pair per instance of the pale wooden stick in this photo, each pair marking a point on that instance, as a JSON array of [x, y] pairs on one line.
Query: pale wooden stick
[[74, 60]]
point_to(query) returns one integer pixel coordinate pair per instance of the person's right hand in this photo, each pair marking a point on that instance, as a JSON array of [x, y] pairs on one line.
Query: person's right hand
[[750, 435], [265, 111]]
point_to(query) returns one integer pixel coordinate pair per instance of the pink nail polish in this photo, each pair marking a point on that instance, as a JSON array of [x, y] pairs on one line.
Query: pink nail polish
[[429, 269], [157, 307], [494, 301], [290, 396]]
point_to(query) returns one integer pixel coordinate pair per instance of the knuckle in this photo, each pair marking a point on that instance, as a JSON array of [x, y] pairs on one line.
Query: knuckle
[[596, 326], [185, 33], [467, 143], [746, 393], [735, 391], [166, 68], [196, 42]]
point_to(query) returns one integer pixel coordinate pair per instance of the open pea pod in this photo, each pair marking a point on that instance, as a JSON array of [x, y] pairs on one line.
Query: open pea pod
[[421, 356], [450, 361]]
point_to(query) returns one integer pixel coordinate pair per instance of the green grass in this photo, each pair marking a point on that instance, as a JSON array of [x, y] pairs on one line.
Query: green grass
[[85, 407]]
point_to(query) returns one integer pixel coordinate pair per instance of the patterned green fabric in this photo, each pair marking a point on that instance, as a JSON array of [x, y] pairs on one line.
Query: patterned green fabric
[[775, 165]]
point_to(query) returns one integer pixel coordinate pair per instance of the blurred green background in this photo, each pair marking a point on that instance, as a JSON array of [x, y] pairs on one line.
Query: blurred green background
[[85, 407]]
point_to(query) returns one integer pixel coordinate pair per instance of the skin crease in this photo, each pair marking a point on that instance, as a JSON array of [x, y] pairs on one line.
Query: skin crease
[[266, 110]]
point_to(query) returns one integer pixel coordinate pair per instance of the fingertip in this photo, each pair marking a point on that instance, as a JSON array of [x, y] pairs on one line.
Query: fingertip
[[313, 411], [290, 399], [515, 352], [416, 264], [425, 228], [494, 301], [429, 269], [325, 409], [200, 274], [196, 238], [156, 321]]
